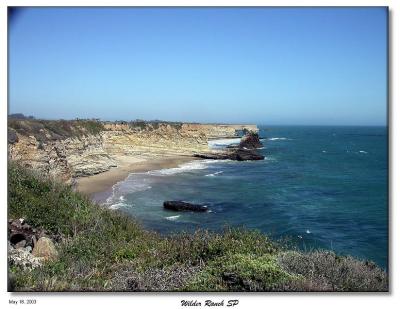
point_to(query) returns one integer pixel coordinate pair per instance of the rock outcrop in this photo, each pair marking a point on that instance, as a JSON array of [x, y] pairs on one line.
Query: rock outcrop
[[64, 158], [29, 247], [245, 151], [233, 154], [69, 149], [250, 141], [21, 234], [22, 258]]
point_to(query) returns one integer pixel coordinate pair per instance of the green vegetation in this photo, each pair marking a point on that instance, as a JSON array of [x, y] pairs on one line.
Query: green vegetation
[[152, 124], [44, 130], [105, 250]]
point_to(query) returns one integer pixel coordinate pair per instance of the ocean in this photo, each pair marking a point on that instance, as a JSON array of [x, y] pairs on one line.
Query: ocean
[[319, 186]]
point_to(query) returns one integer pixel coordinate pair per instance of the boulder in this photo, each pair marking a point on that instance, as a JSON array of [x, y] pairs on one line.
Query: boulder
[[12, 136], [250, 141], [184, 206], [20, 244], [45, 249], [19, 231]]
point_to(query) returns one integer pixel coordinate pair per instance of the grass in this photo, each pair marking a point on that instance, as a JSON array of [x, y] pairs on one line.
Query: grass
[[141, 125], [45, 130], [104, 250]]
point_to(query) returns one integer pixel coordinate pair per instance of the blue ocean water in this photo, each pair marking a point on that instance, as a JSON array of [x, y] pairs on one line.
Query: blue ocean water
[[322, 187]]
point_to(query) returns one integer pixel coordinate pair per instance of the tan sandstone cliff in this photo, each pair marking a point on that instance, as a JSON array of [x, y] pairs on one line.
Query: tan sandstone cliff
[[68, 149]]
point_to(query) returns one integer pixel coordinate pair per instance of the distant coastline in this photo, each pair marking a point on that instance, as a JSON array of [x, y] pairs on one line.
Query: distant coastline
[[94, 154]]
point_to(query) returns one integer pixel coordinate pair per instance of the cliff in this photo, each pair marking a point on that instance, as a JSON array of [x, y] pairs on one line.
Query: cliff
[[68, 149]]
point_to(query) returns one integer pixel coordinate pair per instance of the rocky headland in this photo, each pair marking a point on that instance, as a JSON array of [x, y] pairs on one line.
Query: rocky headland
[[70, 150]]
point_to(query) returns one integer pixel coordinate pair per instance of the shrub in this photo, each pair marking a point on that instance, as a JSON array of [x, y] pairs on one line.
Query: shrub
[[326, 271], [242, 272], [44, 130]]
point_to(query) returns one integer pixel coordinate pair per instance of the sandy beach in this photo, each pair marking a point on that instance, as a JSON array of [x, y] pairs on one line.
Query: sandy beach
[[99, 186]]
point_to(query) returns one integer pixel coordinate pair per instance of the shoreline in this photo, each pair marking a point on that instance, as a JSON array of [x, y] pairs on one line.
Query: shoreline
[[99, 187]]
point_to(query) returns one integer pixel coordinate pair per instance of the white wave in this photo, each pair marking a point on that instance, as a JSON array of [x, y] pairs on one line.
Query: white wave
[[136, 182], [117, 206], [214, 174], [308, 232], [194, 165], [362, 151], [124, 187], [220, 143], [278, 138], [269, 158], [324, 151], [172, 218]]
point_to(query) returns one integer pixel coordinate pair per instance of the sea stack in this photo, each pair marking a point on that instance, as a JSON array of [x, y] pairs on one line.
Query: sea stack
[[245, 151], [250, 141]]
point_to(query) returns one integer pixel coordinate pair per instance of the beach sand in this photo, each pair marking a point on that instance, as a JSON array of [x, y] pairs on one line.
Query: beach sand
[[99, 186]]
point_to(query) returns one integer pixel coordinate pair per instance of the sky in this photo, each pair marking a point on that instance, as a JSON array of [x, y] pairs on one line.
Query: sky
[[293, 66]]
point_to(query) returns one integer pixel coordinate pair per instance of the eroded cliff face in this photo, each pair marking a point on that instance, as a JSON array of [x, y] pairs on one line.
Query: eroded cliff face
[[67, 158], [164, 139], [92, 152]]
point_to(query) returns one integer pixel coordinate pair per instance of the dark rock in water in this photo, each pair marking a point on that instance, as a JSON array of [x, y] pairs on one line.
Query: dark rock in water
[[245, 155], [245, 151], [250, 141], [212, 156], [184, 206], [237, 154]]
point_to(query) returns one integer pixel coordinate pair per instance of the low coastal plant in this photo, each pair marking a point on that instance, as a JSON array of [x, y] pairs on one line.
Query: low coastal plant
[[45, 130], [242, 272], [105, 250]]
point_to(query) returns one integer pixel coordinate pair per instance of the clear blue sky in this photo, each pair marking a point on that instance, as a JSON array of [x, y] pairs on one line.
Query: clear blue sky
[[258, 65]]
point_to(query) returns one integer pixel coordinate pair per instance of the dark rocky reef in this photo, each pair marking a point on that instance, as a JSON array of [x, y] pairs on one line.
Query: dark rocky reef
[[233, 154], [250, 141], [184, 206], [245, 151]]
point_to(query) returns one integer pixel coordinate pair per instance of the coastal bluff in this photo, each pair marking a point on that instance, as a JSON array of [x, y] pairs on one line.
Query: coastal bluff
[[68, 149]]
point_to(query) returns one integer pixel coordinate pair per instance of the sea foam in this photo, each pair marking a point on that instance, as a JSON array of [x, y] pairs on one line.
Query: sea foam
[[214, 174], [136, 182], [186, 167], [278, 138], [172, 218], [222, 143]]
